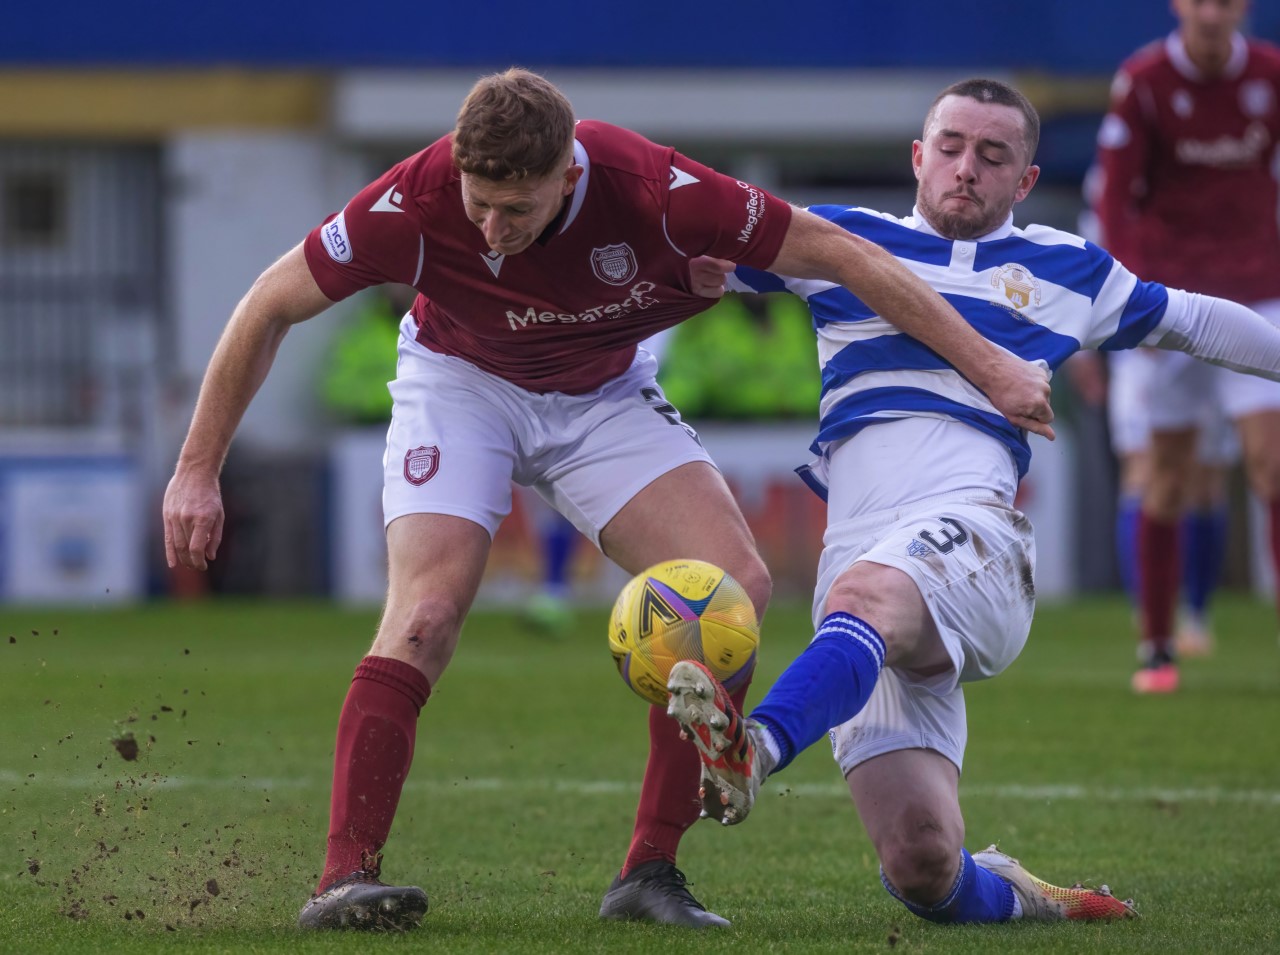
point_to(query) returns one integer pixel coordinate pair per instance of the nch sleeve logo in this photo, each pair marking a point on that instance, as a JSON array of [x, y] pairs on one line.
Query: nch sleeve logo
[[333, 235]]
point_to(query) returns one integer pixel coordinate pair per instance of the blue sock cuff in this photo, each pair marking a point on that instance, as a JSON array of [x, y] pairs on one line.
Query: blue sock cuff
[[823, 687], [847, 627], [976, 896], [938, 911]]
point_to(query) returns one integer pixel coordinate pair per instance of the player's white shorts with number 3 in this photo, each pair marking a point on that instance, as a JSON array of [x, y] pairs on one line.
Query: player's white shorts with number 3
[[973, 559], [459, 436]]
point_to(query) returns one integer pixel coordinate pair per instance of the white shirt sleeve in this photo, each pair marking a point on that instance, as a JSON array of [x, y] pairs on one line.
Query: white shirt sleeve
[[1220, 332]]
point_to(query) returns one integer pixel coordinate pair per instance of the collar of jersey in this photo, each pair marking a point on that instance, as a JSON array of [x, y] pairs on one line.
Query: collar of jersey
[[573, 205], [1181, 60]]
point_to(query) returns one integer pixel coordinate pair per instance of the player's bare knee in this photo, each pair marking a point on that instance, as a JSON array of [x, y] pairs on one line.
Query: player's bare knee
[[921, 861], [433, 618], [1166, 496], [871, 593], [428, 631]]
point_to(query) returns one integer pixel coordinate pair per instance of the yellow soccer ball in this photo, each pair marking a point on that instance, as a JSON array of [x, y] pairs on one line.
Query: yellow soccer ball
[[682, 610]]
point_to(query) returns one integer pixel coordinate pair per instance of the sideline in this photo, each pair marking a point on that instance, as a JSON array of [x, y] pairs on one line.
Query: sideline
[[579, 787]]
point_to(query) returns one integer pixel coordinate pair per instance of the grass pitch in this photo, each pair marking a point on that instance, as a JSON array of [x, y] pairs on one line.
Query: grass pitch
[[519, 807]]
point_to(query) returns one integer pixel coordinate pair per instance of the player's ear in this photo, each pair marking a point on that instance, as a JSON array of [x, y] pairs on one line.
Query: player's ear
[[571, 177], [917, 156], [1029, 177]]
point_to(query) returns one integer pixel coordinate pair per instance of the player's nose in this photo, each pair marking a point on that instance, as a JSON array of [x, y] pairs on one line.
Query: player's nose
[[494, 228], [967, 168]]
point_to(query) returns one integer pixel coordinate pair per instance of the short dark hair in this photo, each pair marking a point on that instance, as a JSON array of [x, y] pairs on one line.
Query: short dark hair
[[1002, 94], [513, 125]]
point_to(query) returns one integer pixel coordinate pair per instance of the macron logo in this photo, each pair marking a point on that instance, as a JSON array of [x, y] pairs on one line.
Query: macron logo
[[679, 178], [390, 202], [494, 260]]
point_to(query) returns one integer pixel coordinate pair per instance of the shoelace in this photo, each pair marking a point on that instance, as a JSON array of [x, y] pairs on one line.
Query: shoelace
[[673, 882], [370, 867], [370, 872]]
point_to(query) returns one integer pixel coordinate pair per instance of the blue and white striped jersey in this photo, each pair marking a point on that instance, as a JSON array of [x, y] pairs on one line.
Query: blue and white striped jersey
[[1038, 292]]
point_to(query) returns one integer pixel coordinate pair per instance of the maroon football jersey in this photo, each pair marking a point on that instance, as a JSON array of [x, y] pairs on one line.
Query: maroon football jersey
[[566, 313], [1189, 194]]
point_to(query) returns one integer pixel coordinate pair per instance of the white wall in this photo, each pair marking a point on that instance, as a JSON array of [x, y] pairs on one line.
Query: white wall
[[236, 202], [753, 106]]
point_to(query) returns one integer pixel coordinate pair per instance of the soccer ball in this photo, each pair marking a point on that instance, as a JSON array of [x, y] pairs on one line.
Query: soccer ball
[[682, 610]]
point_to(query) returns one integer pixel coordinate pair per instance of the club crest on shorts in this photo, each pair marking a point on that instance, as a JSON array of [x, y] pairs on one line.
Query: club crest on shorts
[[918, 548], [421, 465], [615, 264]]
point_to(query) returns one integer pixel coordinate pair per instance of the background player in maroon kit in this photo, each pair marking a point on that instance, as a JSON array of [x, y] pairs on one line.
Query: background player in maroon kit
[[1189, 199], [543, 253]]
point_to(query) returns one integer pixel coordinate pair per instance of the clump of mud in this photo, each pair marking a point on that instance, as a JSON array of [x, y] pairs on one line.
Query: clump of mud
[[122, 851]]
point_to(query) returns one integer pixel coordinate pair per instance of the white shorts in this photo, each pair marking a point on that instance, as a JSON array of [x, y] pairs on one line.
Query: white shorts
[[1183, 386], [973, 560], [1129, 404], [460, 436]]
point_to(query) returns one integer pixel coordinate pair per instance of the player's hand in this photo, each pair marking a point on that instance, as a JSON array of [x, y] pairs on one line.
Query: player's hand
[[193, 519], [1020, 392], [706, 275]]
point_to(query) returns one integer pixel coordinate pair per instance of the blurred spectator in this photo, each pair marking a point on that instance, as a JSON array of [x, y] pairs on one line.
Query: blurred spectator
[[1126, 379], [744, 360], [1188, 198], [362, 361]]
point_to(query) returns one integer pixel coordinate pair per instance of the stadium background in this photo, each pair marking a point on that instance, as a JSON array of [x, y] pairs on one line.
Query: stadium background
[[154, 159]]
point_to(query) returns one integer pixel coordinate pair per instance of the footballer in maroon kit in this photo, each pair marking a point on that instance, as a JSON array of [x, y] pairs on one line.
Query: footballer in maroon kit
[[543, 252], [1188, 198], [566, 313]]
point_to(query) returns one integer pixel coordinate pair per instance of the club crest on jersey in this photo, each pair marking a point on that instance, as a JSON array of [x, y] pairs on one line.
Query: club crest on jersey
[[421, 465], [1256, 98], [1021, 288], [1182, 103], [615, 264]]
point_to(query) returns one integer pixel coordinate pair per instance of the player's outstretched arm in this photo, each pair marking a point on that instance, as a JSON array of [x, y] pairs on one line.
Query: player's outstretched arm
[[817, 249], [284, 295], [1220, 332]]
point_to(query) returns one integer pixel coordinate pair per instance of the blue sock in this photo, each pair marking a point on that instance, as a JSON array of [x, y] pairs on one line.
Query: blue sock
[[824, 686], [977, 896], [1204, 548], [1128, 511], [558, 541]]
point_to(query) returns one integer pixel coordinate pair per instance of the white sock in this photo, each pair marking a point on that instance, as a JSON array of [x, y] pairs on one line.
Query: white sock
[[770, 744]]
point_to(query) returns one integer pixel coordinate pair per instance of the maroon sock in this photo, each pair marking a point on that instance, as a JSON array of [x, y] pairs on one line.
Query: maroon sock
[[1273, 508], [1158, 579], [370, 760], [669, 802]]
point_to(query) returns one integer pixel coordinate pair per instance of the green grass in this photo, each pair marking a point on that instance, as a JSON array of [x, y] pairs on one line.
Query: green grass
[[518, 810]]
